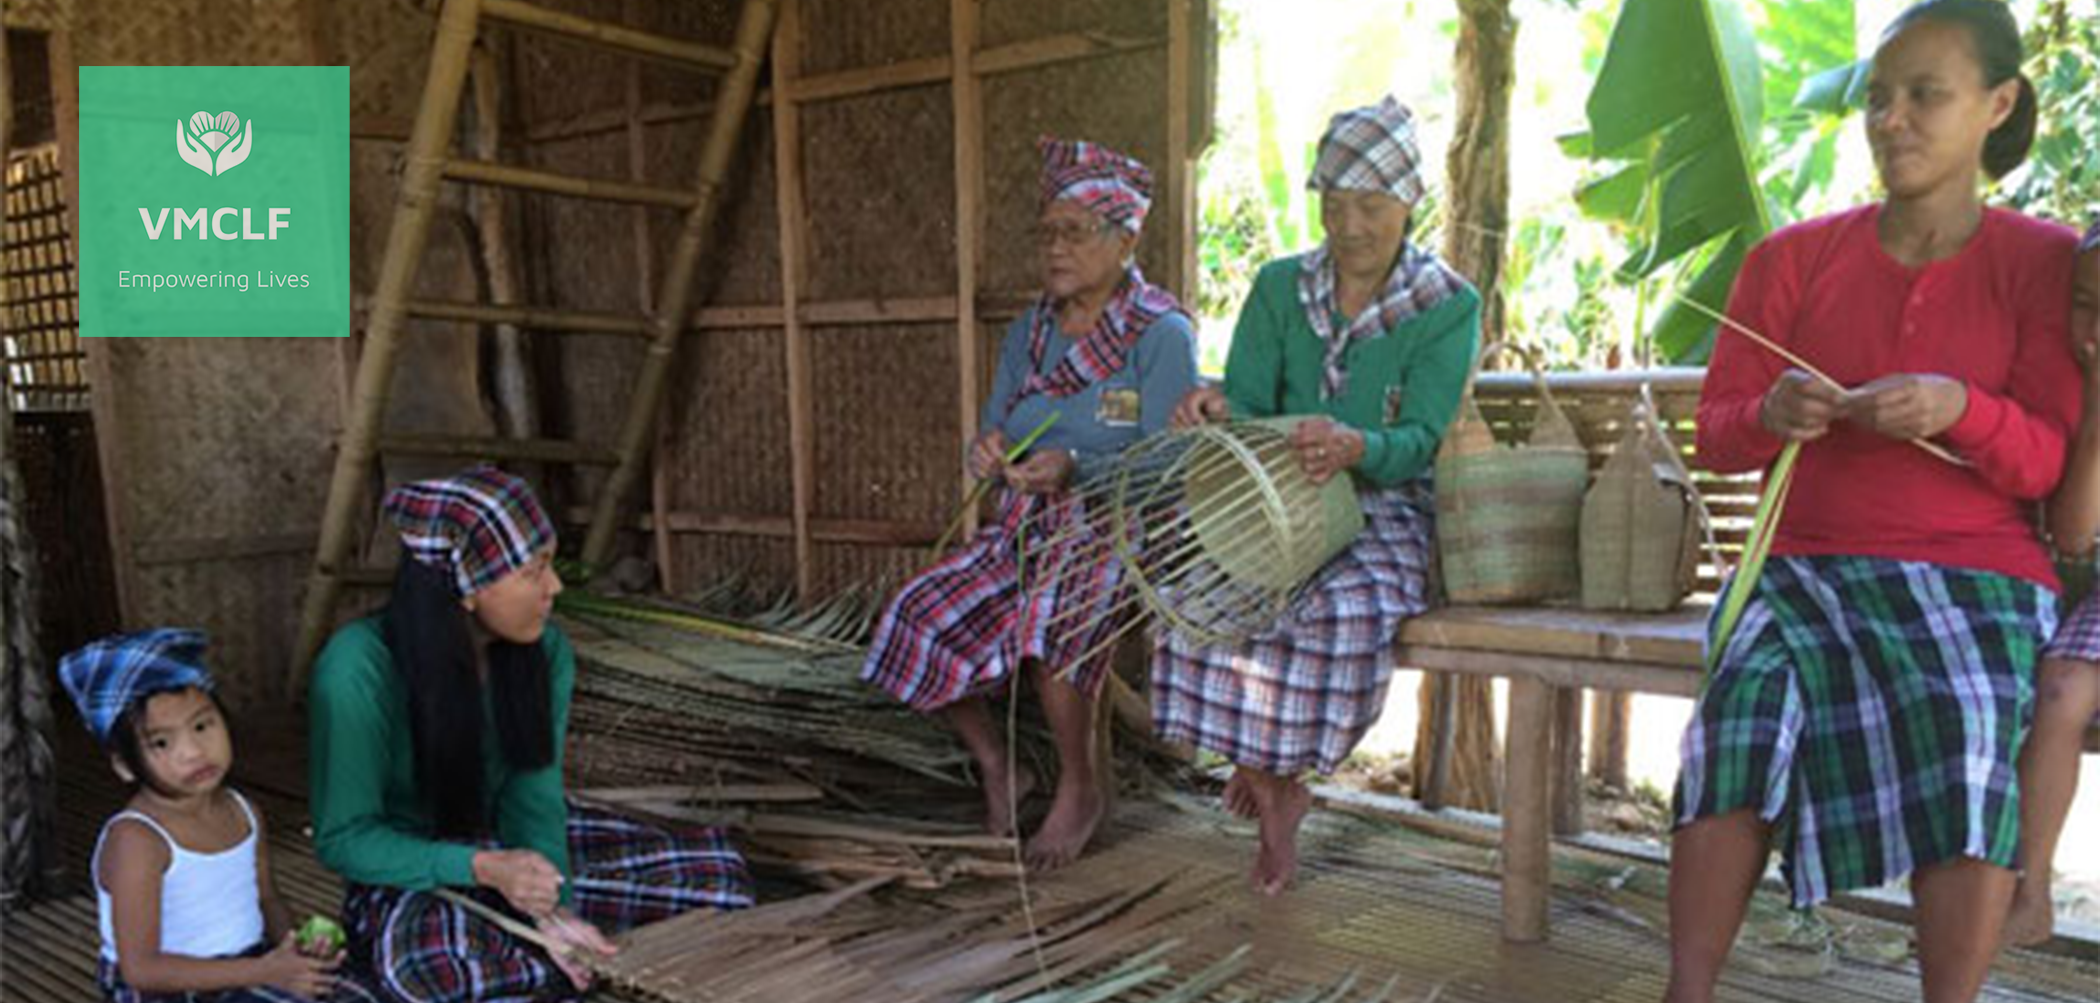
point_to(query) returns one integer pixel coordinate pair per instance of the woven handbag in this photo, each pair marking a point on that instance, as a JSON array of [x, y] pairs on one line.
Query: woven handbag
[[1507, 516], [1642, 522]]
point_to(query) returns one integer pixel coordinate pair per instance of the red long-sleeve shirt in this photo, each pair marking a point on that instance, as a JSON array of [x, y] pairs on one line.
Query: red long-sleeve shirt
[[1995, 316]]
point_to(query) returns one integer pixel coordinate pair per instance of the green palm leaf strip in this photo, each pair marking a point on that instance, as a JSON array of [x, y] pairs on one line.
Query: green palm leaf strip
[[984, 484], [1763, 528]]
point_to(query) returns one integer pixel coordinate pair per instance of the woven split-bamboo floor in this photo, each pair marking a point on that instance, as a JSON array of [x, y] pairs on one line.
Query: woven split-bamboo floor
[[1379, 901]]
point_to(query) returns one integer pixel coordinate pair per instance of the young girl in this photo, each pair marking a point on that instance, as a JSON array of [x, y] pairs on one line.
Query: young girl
[[1866, 715], [188, 907], [2068, 694]]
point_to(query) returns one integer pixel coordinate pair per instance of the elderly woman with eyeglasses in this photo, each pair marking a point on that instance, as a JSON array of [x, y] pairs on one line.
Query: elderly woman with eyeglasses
[[1375, 337], [1109, 355]]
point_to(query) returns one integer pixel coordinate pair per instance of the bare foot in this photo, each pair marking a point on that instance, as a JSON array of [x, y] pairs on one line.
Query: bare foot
[[1239, 800], [1282, 803], [999, 803], [1074, 815], [2033, 918]]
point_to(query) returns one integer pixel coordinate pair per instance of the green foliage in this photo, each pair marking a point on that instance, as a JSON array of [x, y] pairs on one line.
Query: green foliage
[[1679, 104], [2062, 177]]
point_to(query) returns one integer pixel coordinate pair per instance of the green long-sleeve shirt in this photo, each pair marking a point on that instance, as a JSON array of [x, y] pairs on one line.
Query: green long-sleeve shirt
[[369, 822], [1403, 388]]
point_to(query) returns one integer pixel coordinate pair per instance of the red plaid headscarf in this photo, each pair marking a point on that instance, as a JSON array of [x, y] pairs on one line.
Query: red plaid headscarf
[[1116, 187], [477, 526], [1370, 149]]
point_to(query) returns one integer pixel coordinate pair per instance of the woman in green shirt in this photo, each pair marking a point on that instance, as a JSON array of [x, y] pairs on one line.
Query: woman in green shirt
[[1374, 336], [436, 746]]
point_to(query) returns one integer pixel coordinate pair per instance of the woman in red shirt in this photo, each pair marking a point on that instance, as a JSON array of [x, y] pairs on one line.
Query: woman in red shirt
[[1868, 710]]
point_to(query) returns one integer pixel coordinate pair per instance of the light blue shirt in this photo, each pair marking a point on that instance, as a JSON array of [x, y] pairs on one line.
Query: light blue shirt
[[1095, 423]]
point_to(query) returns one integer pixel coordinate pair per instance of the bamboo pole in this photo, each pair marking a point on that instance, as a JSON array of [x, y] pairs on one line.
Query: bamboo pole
[[469, 447], [644, 288], [604, 189], [794, 223], [516, 392], [754, 28], [575, 321], [968, 109], [641, 43], [1178, 172], [410, 229]]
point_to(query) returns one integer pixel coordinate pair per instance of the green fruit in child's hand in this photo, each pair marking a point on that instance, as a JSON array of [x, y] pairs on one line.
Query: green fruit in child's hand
[[320, 936]]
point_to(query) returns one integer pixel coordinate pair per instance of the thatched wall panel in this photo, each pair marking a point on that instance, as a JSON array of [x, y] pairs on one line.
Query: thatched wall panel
[[880, 186], [386, 44], [842, 566], [728, 406], [1010, 21], [705, 559], [885, 420], [39, 15], [709, 21], [1118, 100], [742, 264], [855, 34], [250, 607], [561, 77], [192, 32]]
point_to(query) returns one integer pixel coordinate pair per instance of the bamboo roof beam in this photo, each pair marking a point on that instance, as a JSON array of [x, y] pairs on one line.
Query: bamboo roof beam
[[613, 36]]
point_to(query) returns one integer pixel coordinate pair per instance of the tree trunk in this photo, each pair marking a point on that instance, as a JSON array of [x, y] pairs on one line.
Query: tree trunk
[[1611, 718], [1476, 218]]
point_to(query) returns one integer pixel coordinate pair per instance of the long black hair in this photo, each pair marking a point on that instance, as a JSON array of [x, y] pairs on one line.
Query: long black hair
[[1995, 36], [428, 634]]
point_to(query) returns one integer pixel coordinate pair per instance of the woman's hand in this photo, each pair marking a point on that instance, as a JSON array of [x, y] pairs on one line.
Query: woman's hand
[[574, 938], [1799, 407], [1201, 406], [525, 879], [298, 973], [988, 454], [1326, 448], [1907, 406], [1045, 471]]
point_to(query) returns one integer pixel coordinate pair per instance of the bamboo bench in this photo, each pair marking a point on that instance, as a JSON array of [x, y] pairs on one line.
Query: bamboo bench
[[1550, 655]]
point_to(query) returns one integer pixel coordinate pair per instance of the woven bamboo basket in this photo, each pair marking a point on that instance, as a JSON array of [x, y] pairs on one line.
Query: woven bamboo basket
[[1642, 522], [1215, 529], [1508, 516]]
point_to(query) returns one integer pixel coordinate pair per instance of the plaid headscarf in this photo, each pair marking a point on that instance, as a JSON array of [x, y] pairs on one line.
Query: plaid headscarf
[[1114, 186], [1418, 283], [478, 525], [2091, 239], [107, 677], [1370, 149], [1103, 352]]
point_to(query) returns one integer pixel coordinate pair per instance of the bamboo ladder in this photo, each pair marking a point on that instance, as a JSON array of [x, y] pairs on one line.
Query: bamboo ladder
[[431, 161]]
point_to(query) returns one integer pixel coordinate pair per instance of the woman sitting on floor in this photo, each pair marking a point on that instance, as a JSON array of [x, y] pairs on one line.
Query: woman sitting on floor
[[1376, 335], [1108, 354], [1866, 713], [437, 734]]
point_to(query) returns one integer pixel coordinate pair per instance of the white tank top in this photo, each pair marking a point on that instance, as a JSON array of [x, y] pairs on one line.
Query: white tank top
[[210, 906]]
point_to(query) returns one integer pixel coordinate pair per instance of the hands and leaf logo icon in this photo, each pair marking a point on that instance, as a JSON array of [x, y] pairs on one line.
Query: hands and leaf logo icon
[[214, 144]]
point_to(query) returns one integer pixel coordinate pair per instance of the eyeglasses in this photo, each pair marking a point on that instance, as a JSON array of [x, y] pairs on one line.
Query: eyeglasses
[[1068, 234]]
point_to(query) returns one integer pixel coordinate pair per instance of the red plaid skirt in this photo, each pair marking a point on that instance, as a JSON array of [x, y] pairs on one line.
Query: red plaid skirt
[[423, 949], [961, 627]]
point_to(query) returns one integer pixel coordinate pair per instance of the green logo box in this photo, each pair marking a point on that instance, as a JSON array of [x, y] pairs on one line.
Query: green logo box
[[214, 201]]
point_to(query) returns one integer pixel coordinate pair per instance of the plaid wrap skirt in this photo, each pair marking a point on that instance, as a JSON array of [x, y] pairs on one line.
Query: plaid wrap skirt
[[1033, 584], [423, 949], [1301, 695], [349, 988], [1872, 711]]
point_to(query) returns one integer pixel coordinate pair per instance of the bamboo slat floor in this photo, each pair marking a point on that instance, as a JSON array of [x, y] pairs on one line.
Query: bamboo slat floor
[[1375, 899]]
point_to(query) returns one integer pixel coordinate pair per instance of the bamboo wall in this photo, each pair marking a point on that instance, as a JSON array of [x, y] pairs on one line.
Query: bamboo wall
[[817, 445]]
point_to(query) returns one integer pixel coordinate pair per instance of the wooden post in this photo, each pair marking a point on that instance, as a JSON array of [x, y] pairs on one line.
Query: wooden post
[[1178, 172], [517, 398], [428, 145], [674, 303], [1567, 762], [1611, 718], [969, 225], [794, 243], [1527, 857]]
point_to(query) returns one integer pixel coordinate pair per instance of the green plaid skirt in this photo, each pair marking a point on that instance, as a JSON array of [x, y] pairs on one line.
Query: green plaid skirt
[[1872, 711]]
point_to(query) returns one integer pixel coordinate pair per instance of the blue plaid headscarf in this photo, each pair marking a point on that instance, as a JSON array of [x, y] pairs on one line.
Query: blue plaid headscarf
[[2092, 237], [106, 677]]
